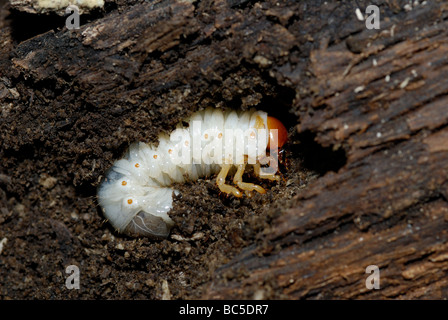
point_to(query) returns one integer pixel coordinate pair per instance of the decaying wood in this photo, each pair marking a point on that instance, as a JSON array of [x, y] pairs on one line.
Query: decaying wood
[[386, 106], [379, 97]]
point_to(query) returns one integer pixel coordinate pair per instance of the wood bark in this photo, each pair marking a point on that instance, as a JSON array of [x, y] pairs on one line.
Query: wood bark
[[377, 99], [386, 105]]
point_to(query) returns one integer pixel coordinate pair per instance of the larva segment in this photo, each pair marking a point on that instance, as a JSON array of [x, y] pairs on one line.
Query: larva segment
[[145, 224]]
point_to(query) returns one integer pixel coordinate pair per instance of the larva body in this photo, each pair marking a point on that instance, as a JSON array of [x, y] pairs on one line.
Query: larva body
[[136, 194]]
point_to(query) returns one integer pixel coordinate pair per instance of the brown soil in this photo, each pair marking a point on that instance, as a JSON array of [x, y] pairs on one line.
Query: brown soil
[[51, 220], [50, 224]]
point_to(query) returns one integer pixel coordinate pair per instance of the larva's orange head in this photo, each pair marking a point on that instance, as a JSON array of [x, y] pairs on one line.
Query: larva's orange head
[[282, 133]]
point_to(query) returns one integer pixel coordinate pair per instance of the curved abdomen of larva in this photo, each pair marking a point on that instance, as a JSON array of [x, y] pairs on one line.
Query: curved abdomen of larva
[[136, 194]]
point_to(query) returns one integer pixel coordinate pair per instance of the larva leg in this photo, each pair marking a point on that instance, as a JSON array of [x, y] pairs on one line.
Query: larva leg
[[257, 171], [238, 180], [221, 182]]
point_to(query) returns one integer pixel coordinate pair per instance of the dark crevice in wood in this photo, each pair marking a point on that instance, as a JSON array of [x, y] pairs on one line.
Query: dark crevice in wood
[[318, 158], [26, 26]]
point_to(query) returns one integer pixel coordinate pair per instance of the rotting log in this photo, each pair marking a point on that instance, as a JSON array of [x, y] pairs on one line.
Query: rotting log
[[378, 96], [386, 106]]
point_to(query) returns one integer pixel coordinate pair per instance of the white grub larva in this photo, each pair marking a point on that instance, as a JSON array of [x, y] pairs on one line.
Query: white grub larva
[[136, 194]]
